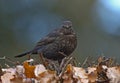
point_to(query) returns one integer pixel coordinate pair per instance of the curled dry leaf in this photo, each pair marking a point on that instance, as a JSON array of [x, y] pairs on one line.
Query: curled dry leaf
[[113, 74], [68, 74], [47, 77], [10, 70], [29, 70], [101, 73], [7, 77], [20, 70], [39, 69], [92, 74], [80, 74]]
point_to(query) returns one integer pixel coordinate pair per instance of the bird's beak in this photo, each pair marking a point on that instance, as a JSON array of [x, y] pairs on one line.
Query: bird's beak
[[67, 26]]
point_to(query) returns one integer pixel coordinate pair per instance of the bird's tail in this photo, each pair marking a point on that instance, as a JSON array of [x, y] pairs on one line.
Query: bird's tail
[[23, 54]]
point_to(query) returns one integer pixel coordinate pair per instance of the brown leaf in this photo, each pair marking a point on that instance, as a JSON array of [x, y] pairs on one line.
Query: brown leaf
[[29, 70], [39, 69], [113, 74], [7, 77], [47, 77]]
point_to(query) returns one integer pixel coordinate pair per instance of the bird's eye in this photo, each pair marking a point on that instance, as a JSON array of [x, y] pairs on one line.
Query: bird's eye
[[67, 27]]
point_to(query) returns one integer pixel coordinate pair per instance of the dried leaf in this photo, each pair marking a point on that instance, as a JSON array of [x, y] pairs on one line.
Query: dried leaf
[[101, 73], [29, 70], [7, 77], [39, 69], [69, 68], [47, 77], [80, 72], [113, 74], [20, 71]]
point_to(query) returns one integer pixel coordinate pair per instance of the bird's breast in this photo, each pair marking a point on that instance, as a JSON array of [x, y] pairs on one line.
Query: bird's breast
[[68, 44]]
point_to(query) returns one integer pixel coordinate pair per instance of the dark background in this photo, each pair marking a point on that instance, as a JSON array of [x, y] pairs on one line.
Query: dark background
[[96, 22]]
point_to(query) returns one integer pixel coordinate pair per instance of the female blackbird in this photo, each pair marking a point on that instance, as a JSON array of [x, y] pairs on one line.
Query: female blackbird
[[58, 44]]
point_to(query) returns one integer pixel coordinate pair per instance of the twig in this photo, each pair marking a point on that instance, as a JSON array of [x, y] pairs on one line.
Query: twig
[[62, 63], [85, 61], [8, 59], [63, 69], [2, 57]]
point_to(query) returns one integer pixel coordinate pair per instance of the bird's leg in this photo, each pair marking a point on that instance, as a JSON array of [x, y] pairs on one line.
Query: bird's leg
[[49, 64], [75, 62], [43, 60], [53, 65], [64, 64], [29, 57]]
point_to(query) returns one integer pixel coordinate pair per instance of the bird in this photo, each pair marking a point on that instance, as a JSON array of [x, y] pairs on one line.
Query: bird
[[58, 44]]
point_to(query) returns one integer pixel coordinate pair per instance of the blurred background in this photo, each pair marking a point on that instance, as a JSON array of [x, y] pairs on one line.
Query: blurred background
[[96, 22]]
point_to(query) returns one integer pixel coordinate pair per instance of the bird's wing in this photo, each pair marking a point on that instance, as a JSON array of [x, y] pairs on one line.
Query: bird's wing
[[51, 37]]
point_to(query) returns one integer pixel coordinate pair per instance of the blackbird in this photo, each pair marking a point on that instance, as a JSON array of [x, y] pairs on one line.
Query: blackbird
[[58, 44]]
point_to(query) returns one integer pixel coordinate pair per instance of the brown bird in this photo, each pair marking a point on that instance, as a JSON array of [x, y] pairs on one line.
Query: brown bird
[[58, 44]]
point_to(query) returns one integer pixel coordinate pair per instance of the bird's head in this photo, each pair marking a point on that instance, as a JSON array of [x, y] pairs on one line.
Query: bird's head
[[67, 28], [67, 24]]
